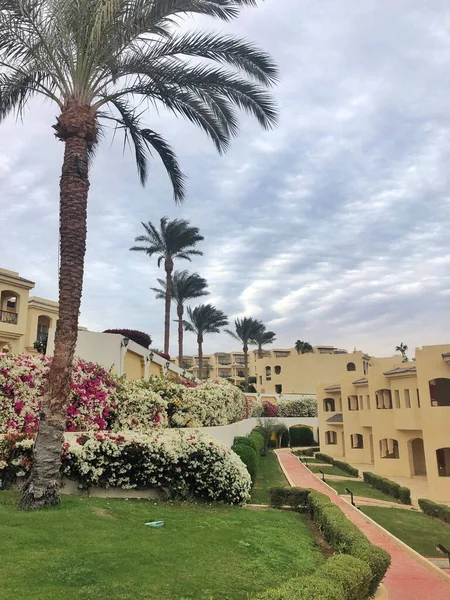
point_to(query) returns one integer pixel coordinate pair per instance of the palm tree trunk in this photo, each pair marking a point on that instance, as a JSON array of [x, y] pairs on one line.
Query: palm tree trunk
[[180, 310], [245, 367], [168, 264], [78, 130], [200, 356]]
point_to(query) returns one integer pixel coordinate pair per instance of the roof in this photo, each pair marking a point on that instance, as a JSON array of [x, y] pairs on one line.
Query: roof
[[335, 387], [12, 275], [446, 355], [360, 381], [337, 418], [400, 371]]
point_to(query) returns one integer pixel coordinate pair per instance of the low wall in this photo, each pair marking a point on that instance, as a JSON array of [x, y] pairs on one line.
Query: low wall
[[227, 433]]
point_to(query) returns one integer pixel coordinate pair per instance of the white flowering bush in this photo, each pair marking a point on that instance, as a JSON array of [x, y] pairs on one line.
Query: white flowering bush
[[209, 404], [306, 407], [138, 407]]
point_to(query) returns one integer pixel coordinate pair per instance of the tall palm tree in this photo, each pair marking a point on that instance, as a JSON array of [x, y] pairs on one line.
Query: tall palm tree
[[303, 347], [402, 348], [204, 318], [112, 61], [186, 286], [174, 239], [262, 339], [246, 332]]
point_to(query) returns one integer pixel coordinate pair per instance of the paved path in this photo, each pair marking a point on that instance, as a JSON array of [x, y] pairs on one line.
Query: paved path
[[407, 579]]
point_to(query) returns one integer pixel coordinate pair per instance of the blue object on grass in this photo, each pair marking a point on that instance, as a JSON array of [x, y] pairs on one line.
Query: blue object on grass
[[155, 523]]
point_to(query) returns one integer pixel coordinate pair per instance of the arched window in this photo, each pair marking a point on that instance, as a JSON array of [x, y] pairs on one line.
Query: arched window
[[443, 462], [389, 448], [383, 398], [9, 307], [440, 391], [353, 403], [329, 405], [357, 441], [330, 438], [277, 370], [351, 367], [268, 373]]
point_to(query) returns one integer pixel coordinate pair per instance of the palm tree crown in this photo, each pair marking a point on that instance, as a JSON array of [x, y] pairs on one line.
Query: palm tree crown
[[402, 348], [246, 332], [263, 338], [303, 347], [204, 318], [99, 60]]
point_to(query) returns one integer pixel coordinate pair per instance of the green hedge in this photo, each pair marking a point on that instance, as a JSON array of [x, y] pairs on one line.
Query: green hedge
[[288, 496], [285, 439], [307, 452], [339, 464], [433, 509], [258, 439], [388, 487], [249, 457], [247, 441], [301, 436]]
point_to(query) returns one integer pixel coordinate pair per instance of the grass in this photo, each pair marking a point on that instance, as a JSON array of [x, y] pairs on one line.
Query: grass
[[309, 459], [359, 488], [330, 470], [419, 531], [97, 549], [270, 474]]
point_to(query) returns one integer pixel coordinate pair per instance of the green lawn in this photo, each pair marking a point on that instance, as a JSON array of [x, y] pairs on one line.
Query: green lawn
[[359, 488], [419, 531], [329, 470], [92, 549], [270, 474], [309, 459]]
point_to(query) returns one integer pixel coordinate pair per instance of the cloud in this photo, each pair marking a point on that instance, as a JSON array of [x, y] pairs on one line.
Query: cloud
[[333, 227]]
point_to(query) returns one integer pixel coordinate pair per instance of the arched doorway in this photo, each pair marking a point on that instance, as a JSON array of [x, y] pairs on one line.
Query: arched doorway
[[417, 457]]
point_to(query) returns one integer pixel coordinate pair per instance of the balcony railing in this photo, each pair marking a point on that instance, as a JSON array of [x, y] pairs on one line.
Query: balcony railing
[[224, 362], [8, 317]]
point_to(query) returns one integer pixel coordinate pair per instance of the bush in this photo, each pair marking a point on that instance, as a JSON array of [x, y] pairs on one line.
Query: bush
[[258, 439], [325, 458], [285, 439], [433, 509], [346, 467], [269, 409], [307, 452], [288, 496], [246, 441], [301, 436], [388, 487], [248, 456], [140, 337], [306, 407]]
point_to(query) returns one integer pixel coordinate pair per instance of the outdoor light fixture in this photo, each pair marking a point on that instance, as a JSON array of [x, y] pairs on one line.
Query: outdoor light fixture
[[442, 550], [323, 475], [351, 496], [149, 357], [124, 342], [184, 374]]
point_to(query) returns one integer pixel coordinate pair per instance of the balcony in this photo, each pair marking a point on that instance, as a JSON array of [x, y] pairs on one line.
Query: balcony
[[224, 363], [8, 317]]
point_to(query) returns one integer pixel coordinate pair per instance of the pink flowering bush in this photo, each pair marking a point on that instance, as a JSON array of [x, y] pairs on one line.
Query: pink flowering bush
[[269, 409]]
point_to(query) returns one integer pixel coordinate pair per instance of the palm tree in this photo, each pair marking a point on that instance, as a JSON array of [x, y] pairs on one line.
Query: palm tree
[[111, 61], [262, 339], [174, 239], [303, 347], [246, 332], [186, 286], [204, 318], [402, 348]]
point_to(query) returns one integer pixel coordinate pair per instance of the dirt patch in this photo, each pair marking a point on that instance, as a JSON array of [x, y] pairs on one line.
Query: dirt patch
[[102, 512], [324, 546]]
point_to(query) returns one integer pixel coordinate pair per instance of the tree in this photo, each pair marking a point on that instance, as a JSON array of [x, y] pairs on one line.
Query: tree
[[204, 318], [402, 348], [246, 331], [109, 62], [303, 347], [173, 240], [186, 286], [262, 339]]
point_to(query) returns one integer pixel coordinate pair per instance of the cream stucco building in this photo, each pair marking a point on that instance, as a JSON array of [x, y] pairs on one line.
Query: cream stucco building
[[395, 419]]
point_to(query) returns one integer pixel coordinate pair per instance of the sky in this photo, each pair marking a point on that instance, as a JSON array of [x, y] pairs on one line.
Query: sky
[[333, 228]]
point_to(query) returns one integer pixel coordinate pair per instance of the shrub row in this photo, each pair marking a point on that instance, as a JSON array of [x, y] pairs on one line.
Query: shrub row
[[338, 464], [307, 452], [433, 509], [388, 487], [353, 577], [301, 435], [249, 449]]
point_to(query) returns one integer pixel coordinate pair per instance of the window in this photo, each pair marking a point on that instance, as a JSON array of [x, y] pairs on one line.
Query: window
[[351, 366], [330, 438], [268, 374], [418, 398], [407, 399], [329, 405], [389, 448], [357, 441], [443, 462], [440, 391], [278, 388], [383, 399], [353, 403], [361, 403], [397, 398], [260, 380], [241, 373], [368, 402], [365, 367], [277, 370], [9, 307]]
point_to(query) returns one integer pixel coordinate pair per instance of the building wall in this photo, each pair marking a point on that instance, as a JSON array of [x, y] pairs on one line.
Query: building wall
[[13, 320]]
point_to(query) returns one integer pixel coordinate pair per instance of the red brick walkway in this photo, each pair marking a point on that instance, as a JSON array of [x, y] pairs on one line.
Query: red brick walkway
[[406, 579]]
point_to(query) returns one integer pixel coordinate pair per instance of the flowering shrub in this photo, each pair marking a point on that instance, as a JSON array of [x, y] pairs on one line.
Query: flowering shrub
[[209, 404], [15, 457], [306, 407], [256, 409], [184, 464], [269, 409], [138, 407]]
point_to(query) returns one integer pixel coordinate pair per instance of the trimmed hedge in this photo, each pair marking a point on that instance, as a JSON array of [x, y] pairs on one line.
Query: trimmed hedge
[[308, 452], [246, 441], [294, 497], [388, 487], [249, 457], [338, 464], [285, 439], [433, 509], [301, 436], [258, 439]]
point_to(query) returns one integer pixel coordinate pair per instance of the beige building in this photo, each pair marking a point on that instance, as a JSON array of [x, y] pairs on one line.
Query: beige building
[[396, 419], [225, 365]]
